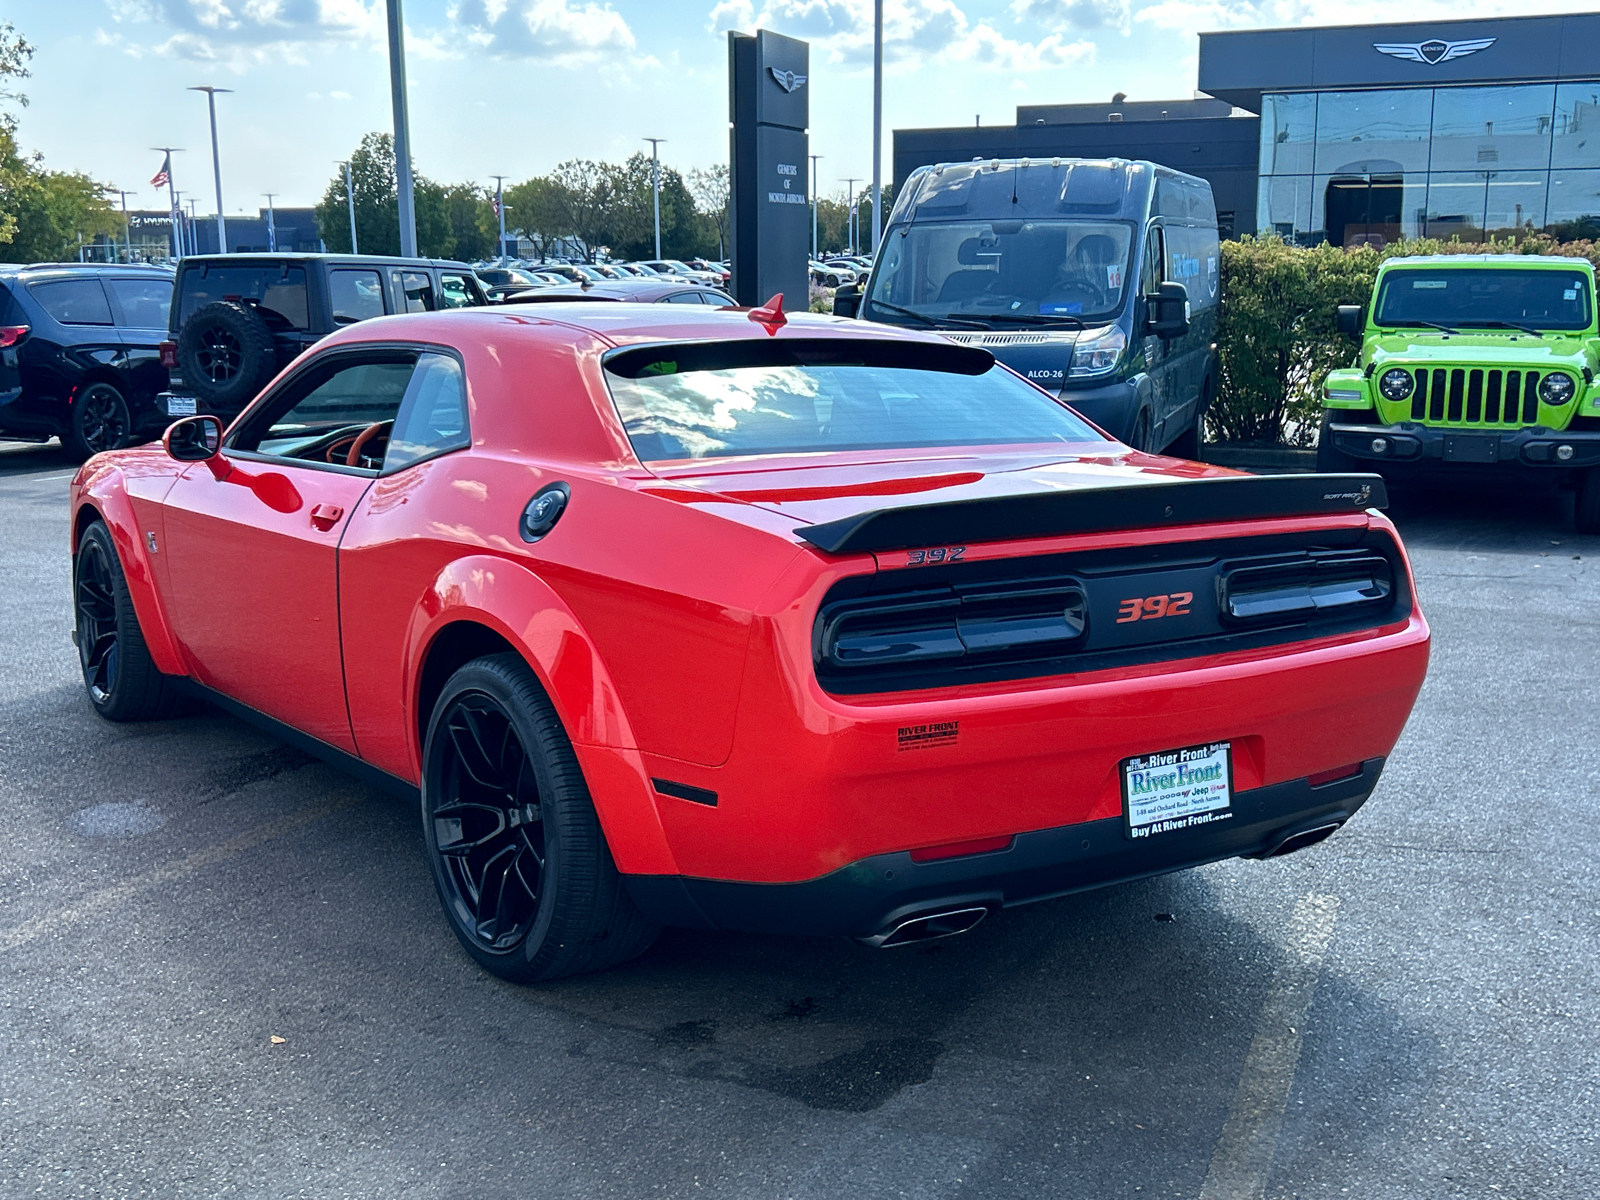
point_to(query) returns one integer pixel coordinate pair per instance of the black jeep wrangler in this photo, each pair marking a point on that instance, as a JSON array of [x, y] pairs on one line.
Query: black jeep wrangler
[[238, 319]]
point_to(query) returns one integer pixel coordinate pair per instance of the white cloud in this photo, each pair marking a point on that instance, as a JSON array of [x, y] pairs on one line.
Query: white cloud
[[1076, 14], [553, 31], [237, 33], [914, 32]]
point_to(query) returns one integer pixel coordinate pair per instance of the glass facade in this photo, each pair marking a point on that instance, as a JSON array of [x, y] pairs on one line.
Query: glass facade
[[1369, 167]]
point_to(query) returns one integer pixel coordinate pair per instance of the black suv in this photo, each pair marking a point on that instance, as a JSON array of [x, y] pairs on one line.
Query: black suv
[[80, 353], [238, 319]]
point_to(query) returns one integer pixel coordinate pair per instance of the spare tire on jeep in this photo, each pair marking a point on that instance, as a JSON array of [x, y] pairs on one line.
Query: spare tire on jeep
[[226, 354]]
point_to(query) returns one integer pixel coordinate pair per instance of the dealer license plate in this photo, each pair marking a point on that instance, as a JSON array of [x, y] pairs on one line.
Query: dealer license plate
[[1177, 789], [180, 406]]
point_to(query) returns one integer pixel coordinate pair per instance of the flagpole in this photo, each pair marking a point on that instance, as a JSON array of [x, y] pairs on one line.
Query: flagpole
[[172, 198], [500, 211]]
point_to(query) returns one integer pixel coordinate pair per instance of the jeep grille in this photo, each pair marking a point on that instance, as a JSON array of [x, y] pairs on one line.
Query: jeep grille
[[1475, 396]]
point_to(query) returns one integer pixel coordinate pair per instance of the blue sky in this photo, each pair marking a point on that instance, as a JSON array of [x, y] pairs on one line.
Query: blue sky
[[515, 86]]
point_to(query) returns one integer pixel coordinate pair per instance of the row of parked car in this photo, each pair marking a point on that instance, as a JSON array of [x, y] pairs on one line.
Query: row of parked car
[[104, 355]]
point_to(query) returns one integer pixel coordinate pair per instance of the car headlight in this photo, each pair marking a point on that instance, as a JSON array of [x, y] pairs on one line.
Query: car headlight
[[1555, 389], [1395, 384], [1097, 350]]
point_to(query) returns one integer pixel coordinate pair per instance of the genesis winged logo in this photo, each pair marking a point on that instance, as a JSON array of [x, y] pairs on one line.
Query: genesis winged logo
[[788, 80], [1432, 51]]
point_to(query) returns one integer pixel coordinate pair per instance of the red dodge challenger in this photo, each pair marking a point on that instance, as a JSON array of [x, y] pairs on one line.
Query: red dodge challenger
[[709, 618]]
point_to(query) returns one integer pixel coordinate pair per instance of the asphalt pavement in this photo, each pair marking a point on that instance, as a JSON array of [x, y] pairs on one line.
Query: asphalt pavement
[[223, 971]]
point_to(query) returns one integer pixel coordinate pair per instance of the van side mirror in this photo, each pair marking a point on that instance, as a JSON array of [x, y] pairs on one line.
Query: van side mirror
[[1350, 320], [1167, 311], [847, 300], [193, 439]]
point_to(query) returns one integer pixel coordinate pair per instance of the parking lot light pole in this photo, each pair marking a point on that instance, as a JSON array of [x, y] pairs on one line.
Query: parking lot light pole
[[127, 226], [500, 211], [850, 213], [877, 121], [194, 237], [655, 186], [350, 201], [402, 132], [814, 200], [272, 224], [216, 163]]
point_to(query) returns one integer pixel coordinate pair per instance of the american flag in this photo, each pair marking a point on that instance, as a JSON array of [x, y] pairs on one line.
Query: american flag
[[164, 176], [494, 203]]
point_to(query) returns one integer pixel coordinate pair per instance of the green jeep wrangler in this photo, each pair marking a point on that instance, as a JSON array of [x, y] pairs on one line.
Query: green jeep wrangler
[[1472, 362]]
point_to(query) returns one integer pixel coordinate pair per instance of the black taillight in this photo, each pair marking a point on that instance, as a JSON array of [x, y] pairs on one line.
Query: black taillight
[[1309, 587], [12, 335], [904, 630]]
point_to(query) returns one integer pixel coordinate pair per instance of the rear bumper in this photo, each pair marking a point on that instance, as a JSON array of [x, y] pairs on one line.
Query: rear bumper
[[1410, 443], [866, 897]]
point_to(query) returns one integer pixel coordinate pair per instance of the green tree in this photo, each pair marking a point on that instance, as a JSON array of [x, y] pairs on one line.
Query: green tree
[[372, 175], [14, 55], [472, 221], [709, 187]]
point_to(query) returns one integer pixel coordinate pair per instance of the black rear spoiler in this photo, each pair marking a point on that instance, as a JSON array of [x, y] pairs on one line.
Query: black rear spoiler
[[1099, 509]]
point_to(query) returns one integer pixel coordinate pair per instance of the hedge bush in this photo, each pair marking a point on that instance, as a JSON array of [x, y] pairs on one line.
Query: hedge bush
[[1278, 336]]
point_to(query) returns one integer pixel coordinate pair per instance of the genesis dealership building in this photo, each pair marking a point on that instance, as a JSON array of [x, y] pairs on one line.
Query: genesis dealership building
[[1354, 134]]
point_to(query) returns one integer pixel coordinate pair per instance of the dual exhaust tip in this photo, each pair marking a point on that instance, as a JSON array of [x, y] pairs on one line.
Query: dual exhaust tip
[[942, 922]]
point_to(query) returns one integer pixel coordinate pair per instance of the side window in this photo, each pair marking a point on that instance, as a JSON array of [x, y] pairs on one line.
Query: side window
[[356, 295], [456, 291], [417, 289], [433, 416], [342, 407], [1154, 257], [145, 303], [684, 298], [73, 301]]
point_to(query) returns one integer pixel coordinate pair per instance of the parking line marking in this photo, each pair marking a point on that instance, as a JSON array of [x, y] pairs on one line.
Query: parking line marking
[[1243, 1156], [110, 897]]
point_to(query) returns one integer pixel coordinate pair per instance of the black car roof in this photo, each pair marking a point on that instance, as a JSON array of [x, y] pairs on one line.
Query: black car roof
[[150, 269], [359, 260]]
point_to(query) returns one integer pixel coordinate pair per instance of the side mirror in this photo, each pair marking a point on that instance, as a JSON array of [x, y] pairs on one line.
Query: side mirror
[[1167, 312], [197, 439], [847, 300], [1350, 320]]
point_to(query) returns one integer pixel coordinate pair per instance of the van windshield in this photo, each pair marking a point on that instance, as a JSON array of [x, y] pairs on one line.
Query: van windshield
[[1484, 297], [1044, 272]]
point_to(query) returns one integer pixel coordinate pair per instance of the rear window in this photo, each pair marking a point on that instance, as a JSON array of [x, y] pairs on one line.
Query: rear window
[[675, 407], [145, 302], [277, 292], [73, 301]]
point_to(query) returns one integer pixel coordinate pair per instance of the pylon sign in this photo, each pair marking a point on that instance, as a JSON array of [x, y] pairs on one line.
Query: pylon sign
[[769, 105]]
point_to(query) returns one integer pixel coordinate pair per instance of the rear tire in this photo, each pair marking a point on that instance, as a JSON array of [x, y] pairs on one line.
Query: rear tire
[[518, 857], [118, 673], [99, 421], [1586, 514]]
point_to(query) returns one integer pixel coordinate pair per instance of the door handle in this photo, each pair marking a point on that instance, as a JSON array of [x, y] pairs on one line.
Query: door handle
[[326, 516]]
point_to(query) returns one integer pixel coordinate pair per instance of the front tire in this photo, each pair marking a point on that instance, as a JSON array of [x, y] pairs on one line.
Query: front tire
[[1586, 514], [518, 857], [1333, 461], [118, 673], [99, 421]]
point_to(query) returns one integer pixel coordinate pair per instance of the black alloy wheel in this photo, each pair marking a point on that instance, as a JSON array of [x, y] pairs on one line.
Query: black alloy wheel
[[520, 863], [118, 673], [219, 355], [488, 829], [100, 420], [96, 602]]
